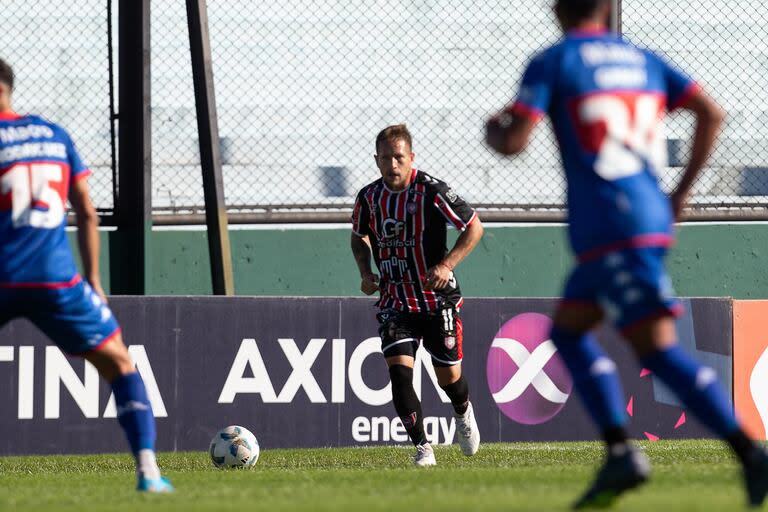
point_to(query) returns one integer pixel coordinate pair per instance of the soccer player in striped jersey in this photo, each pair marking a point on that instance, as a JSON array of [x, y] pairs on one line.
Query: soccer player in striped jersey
[[606, 99], [39, 170], [400, 220]]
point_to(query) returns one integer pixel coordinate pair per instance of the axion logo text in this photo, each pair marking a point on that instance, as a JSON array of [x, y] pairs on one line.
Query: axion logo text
[[527, 379]]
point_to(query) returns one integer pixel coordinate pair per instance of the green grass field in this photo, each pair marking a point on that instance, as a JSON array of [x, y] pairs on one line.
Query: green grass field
[[690, 475]]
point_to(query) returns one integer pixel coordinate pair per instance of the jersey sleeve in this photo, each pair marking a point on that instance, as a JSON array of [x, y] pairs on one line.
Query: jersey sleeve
[[536, 88], [679, 86], [79, 169], [453, 207], [360, 216]]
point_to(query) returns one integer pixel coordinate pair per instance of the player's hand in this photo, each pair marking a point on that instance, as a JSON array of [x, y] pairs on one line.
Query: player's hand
[[96, 287], [369, 284], [496, 132], [678, 200], [438, 277]]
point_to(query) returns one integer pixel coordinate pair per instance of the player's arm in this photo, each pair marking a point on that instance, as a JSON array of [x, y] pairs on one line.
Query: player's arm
[[508, 132], [458, 213], [361, 246], [440, 274], [361, 250], [87, 233], [708, 120]]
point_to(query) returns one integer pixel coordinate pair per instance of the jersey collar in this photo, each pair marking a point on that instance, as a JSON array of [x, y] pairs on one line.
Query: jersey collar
[[414, 171], [9, 115]]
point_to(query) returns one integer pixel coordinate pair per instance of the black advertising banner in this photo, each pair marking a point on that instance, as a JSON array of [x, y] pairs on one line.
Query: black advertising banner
[[303, 372]]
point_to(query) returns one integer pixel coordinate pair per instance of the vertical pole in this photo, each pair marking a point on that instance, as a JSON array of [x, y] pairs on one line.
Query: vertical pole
[[616, 16], [129, 256], [210, 152]]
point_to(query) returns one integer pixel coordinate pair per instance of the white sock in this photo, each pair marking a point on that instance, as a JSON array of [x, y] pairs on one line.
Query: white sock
[[146, 464]]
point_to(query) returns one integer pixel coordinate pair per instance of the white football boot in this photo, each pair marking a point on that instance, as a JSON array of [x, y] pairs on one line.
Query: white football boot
[[425, 456], [468, 433]]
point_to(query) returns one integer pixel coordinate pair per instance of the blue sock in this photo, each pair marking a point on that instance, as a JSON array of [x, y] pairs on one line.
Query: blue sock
[[594, 376], [696, 386], [134, 412]]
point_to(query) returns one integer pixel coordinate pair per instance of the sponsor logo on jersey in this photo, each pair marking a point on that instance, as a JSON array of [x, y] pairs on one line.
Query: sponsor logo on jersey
[[393, 228]]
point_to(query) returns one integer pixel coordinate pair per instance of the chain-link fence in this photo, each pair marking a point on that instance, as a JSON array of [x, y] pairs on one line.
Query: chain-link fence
[[60, 54], [724, 45], [303, 86]]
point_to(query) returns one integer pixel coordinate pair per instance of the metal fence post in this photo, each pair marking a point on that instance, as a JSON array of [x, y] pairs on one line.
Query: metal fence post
[[210, 150], [130, 271], [616, 16]]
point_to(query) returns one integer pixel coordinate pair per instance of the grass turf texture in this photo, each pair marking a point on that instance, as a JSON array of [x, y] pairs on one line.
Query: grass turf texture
[[688, 475]]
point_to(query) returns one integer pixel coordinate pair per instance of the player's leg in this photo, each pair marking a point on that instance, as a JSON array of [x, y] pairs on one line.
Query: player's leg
[[134, 410], [697, 387], [399, 340], [597, 382], [594, 373], [444, 340], [81, 324]]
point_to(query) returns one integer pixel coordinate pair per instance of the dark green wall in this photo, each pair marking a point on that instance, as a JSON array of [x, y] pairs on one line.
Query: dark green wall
[[709, 260]]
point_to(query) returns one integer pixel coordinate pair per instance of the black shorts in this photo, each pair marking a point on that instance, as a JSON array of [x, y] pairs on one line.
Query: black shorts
[[441, 331]]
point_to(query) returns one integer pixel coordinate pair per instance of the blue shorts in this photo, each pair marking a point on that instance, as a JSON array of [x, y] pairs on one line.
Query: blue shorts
[[74, 318], [631, 286]]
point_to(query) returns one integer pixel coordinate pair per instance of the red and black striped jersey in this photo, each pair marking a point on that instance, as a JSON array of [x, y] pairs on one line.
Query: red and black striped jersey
[[407, 231]]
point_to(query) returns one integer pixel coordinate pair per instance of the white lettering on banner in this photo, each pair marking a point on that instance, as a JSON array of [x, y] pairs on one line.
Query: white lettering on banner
[[85, 393], [248, 354], [530, 373], [26, 383], [302, 377], [361, 429], [423, 357], [338, 369], [6, 354], [759, 389], [439, 430], [362, 391], [140, 358], [301, 373], [59, 371]]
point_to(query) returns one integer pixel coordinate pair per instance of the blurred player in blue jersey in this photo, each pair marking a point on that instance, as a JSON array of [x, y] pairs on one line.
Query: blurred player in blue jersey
[[606, 100], [39, 170]]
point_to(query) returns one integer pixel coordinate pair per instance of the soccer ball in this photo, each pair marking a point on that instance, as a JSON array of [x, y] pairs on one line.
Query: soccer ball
[[234, 447]]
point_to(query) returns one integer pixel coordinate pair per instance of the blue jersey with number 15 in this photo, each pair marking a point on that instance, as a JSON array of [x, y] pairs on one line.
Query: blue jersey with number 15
[[37, 163], [606, 100]]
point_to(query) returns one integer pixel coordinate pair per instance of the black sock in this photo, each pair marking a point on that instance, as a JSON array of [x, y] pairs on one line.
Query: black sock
[[615, 436], [458, 392], [744, 448], [407, 403]]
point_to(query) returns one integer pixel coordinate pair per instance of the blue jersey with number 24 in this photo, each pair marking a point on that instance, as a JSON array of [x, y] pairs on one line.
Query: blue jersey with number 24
[[606, 99]]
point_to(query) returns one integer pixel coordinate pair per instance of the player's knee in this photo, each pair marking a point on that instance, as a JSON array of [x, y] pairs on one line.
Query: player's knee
[[577, 318], [112, 360], [457, 391], [447, 375]]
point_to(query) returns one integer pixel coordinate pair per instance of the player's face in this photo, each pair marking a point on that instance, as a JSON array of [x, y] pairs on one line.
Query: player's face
[[395, 162]]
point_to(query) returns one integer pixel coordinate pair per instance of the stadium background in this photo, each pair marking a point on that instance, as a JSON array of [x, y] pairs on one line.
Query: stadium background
[[302, 88]]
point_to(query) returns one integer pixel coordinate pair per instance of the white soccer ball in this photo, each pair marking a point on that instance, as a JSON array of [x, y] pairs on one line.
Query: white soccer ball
[[234, 447]]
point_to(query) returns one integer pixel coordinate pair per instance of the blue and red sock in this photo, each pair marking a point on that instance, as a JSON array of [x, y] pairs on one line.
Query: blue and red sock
[[134, 412], [595, 378]]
